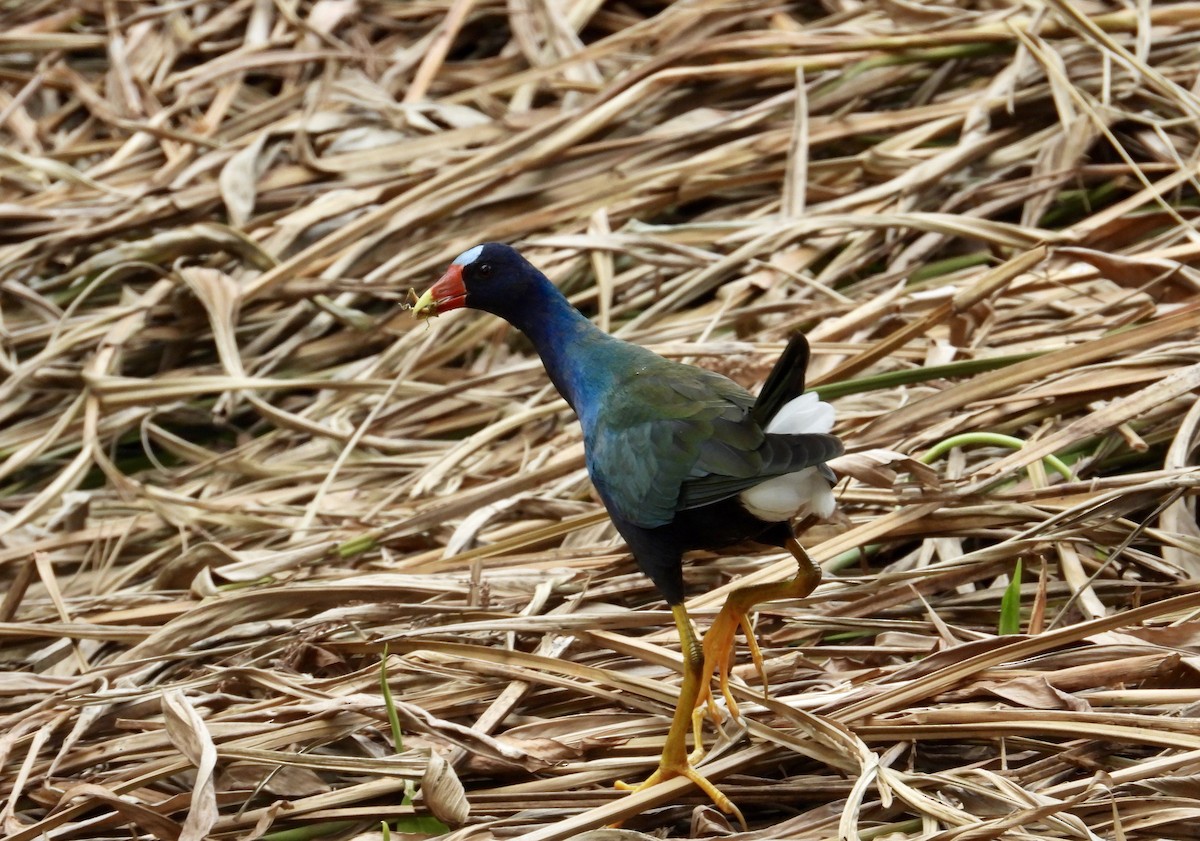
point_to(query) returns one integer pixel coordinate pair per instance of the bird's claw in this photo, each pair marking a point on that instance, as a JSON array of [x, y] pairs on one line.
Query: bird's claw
[[667, 771]]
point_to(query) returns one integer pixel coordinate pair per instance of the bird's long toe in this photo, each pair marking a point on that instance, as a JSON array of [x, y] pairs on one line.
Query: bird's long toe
[[718, 659], [684, 767]]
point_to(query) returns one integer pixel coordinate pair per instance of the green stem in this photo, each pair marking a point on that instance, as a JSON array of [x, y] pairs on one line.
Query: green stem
[[993, 439], [878, 382], [389, 704]]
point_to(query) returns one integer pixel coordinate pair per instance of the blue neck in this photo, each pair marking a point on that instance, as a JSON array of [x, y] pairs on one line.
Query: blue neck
[[571, 347]]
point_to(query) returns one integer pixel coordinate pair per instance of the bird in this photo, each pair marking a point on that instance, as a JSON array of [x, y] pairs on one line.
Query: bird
[[682, 457]]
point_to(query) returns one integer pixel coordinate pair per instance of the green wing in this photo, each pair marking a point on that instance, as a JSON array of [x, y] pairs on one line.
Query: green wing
[[671, 437], [657, 428]]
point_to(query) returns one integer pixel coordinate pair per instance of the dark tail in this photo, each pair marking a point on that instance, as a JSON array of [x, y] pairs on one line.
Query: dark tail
[[785, 381]]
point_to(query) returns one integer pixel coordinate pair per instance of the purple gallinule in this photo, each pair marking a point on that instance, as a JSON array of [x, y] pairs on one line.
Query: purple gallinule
[[683, 458]]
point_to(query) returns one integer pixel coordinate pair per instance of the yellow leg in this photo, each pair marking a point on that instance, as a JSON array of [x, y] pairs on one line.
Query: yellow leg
[[718, 642], [675, 761]]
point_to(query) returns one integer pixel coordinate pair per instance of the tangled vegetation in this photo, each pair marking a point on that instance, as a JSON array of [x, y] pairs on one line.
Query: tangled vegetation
[[280, 561]]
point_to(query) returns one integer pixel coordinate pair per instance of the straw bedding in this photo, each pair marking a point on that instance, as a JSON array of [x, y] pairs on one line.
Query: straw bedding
[[240, 486]]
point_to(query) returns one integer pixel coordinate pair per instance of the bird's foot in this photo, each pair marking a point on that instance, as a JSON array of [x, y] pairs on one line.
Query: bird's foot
[[718, 658], [676, 762], [684, 767]]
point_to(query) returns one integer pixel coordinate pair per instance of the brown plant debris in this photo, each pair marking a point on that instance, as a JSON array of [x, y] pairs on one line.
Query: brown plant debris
[[238, 482]]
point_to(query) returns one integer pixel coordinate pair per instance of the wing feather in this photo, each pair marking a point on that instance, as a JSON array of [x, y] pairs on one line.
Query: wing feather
[[672, 437]]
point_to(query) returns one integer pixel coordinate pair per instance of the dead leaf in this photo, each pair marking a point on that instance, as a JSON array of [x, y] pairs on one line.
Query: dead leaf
[[138, 814], [239, 181], [442, 792], [1028, 691], [871, 468], [189, 734]]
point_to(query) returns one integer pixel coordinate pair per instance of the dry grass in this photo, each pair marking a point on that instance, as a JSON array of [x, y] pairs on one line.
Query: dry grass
[[236, 473]]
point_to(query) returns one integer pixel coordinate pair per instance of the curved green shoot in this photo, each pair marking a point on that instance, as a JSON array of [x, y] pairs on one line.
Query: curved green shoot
[[994, 439]]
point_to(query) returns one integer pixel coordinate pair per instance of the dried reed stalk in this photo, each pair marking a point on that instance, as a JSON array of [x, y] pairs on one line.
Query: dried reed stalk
[[237, 480]]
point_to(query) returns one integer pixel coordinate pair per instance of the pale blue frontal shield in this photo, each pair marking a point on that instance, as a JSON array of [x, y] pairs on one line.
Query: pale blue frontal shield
[[469, 256]]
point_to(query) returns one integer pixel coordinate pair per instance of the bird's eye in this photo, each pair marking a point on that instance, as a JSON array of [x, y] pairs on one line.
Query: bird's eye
[[484, 270]]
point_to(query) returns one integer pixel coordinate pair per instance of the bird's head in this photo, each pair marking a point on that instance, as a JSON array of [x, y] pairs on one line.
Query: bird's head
[[492, 277]]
